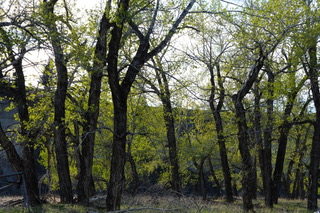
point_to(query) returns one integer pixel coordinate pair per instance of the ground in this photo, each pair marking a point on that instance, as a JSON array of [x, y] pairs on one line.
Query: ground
[[153, 203]]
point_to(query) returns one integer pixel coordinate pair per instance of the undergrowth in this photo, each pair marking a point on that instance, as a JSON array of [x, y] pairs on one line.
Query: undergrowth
[[165, 203]]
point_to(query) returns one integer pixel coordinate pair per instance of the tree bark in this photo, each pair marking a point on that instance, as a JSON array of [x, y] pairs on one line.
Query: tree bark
[[120, 90], [202, 179], [247, 166], [284, 130], [219, 128], [165, 96], [27, 161], [28, 155], [267, 142], [172, 144], [117, 177], [315, 148], [85, 187], [216, 181], [258, 135], [59, 106], [243, 137]]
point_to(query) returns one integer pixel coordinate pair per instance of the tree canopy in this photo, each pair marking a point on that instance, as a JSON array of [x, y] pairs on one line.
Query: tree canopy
[[138, 92]]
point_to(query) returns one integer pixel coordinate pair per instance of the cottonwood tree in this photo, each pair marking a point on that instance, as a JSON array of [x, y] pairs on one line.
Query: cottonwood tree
[[16, 42], [85, 186], [161, 88], [210, 53], [121, 79], [50, 19], [260, 50], [311, 68]]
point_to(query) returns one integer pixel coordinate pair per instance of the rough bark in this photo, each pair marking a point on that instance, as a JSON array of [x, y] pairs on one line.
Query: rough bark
[[315, 147], [172, 143], [267, 143], [243, 137], [258, 131], [11, 151], [119, 98], [117, 177], [247, 166], [120, 90], [85, 187], [216, 109], [27, 161], [284, 130], [165, 96], [28, 155], [59, 106], [216, 181]]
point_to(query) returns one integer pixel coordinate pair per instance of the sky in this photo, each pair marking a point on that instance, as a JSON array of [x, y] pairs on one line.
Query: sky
[[87, 4], [39, 57]]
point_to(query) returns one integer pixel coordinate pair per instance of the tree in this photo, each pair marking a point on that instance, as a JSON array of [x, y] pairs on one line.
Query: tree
[[85, 186], [312, 72], [120, 88], [59, 102], [164, 94], [15, 44]]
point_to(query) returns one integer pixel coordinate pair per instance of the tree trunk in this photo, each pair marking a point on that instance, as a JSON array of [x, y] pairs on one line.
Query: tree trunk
[[202, 179], [170, 129], [119, 98], [11, 151], [288, 179], [28, 155], [121, 89], [27, 164], [117, 177], [219, 129], [172, 145], [315, 148], [282, 148], [59, 106], [314, 169], [247, 167], [243, 137], [134, 173], [258, 136], [215, 177], [267, 142], [85, 186]]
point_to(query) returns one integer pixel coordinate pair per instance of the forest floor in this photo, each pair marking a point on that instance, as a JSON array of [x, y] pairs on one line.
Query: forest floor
[[154, 203]]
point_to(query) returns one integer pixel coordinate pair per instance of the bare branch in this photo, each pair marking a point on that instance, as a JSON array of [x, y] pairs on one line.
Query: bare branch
[[171, 32]]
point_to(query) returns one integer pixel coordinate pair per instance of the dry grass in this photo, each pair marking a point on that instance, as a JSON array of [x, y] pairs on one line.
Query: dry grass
[[160, 202]]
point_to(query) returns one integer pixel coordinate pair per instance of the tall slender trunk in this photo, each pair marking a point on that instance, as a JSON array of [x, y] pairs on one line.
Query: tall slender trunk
[[315, 148], [267, 142], [27, 161], [59, 106], [121, 89], [247, 166], [202, 179], [165, 96], [258, 134], [215, 179], [117, 177], [172, 143], [219, 128], [243, 137], [85, 187], [119, 98], [284, 130]]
